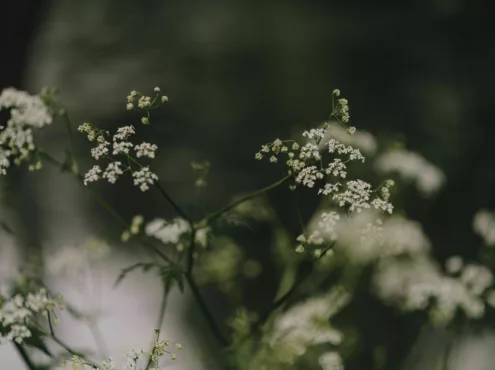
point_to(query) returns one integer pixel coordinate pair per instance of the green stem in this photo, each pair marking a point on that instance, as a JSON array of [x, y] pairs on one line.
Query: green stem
[[234, 204], [159, 323], [283, 299], [172, 203], [68, 125], [25, 357], [205, 311], [446, 354]]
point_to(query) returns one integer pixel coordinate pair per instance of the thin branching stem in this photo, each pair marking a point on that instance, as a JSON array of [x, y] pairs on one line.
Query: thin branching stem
[[159, 322], [208, 219], [284, 298], [116, 215], [25, 356], [206, 312]]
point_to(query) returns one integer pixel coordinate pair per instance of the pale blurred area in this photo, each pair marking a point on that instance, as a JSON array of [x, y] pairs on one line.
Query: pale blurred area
[[234, 73]]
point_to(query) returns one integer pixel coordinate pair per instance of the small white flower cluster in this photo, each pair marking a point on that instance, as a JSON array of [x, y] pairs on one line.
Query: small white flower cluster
[[306, 164], [132, 358], [331, 361], [365, 238], [146, 103], [325, 232], [335, 147], [307, 324], [167, 232], [420, 285], [119, 144], [15, 313], [412, 167], [484, 225], [27, 113], [362, 140]]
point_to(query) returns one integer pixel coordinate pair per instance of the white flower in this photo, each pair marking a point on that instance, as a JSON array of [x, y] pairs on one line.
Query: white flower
[[309, 151], [145, 150], [356, 195], [354, 154], [484, 225], [124, 132], [329, 188], [307, 323], [112, 172], [419, 285], [27, 112], [454, 265], [144, 102], [337, 168], [412, 167], [315, 133], [143, 178], [25, 109], [308, 176], [331, 361], [167, 232], [100, 150], [92, 175], [382, 205], [15, 312], [122, 147]]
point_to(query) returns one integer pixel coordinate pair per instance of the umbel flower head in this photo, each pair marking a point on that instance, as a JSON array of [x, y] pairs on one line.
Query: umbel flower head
[[28, 113], [120, 154], [16, 313]]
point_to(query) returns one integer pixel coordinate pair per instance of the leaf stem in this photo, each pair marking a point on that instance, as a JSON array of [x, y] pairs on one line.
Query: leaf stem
[[234, 204]]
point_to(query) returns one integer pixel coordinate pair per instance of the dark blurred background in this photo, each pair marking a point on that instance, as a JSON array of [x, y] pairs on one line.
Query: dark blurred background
[[240, 73]]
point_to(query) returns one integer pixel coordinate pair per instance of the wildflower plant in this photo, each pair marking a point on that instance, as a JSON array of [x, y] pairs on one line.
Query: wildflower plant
[[353, 225]]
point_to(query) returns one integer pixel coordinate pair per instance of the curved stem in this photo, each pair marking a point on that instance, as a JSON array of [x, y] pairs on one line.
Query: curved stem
[[25, 357], [234, 204], [205, 311], [172, 203], [283, 299]]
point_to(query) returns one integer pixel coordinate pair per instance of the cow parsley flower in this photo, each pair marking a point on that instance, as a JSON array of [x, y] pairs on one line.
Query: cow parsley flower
[[307, 324], [167, 232], [145, 150], [331, 361], [123, 133], [14, 313], [484, 225], [100, 150], [336, 147], [143, 178], [28, 113], [355, 197], [113, 171], [307, 176], [92, 175], [122, 147], [412, 167]]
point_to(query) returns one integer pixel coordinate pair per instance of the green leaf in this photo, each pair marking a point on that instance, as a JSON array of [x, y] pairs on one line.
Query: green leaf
[[140, 265]]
